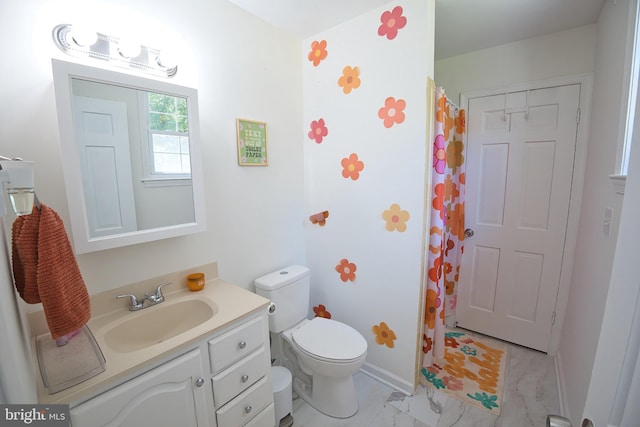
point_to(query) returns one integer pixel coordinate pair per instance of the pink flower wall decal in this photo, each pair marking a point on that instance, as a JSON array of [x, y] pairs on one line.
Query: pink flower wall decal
[[318, 130], [392, 112], [392, 21]]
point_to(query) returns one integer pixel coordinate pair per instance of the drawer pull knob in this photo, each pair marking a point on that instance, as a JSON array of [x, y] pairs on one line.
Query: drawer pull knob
[[199, 382], [247, 409], [245, 378], [242, 345]]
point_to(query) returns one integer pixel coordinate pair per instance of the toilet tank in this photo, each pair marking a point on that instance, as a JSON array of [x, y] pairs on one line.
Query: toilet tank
[[288, 290]]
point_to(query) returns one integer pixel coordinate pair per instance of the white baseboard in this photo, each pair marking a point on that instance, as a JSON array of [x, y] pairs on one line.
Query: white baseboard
[[562, 387], [388, 378]]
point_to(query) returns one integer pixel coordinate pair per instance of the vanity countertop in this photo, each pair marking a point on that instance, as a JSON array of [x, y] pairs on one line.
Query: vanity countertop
[[232, 303]]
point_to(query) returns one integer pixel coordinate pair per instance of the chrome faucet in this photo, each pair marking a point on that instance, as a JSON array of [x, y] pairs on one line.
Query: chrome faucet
[[138, 303], [157, 297], [134, 303]]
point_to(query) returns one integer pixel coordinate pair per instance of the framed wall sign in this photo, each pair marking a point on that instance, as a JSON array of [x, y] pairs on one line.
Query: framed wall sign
[[252, 143]]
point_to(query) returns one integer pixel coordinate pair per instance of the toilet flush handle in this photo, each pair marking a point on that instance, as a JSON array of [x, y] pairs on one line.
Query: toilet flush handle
[[272, 308]]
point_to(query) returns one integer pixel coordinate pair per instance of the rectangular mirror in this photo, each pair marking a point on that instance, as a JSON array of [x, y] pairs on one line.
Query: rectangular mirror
[[131, 159]]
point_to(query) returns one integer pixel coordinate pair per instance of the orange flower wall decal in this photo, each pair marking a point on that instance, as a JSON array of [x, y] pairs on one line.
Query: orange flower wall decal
[[384, 335], [392, 21], [318, 52], [321, 311], [319, 218], [396, 218], [347, 270], [318, 130], [350, 79], [392, 112], [351, 167]]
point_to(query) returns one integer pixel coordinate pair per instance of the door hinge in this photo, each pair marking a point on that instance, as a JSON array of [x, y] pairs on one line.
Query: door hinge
[[553, 318], [578, 116]]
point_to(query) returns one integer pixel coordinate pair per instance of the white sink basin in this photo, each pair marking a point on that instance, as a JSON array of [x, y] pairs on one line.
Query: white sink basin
[[156, 324]]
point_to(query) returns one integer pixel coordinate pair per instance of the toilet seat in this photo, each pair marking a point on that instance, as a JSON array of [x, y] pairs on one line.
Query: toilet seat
[[329, 340]]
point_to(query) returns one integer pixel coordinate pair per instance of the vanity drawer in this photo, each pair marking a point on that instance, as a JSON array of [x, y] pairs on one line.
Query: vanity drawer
[[235, 344], [266, 418], [246, 406], [233, 381]]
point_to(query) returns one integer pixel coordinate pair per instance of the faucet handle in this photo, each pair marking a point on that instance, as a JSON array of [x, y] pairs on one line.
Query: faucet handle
[[159, 297], [134, 303]]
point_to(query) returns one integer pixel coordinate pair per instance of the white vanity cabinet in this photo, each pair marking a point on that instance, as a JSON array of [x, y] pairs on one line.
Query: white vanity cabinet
[[224, 380], [241, 381], [169, 395]]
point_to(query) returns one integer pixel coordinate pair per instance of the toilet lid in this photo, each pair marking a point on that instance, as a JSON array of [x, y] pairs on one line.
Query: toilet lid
[[330, 339]]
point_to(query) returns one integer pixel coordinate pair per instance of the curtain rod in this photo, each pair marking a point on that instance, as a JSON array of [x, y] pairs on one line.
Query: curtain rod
[[453, 104]]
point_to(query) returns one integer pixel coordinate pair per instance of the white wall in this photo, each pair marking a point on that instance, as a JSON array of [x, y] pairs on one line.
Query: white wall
[[242, 68], [617, 350], [388, 264], [17, 376], [595, 250], [553, 55]]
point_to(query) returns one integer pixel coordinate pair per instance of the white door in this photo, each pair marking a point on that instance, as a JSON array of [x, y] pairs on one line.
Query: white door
[[105, 161], [520, 157]]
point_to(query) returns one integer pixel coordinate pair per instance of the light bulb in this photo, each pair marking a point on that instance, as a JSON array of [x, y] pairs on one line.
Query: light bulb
[[128, 48], [83, 36], [167, 58]]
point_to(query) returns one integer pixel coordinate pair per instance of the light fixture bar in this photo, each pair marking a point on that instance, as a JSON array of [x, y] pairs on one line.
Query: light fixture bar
[[109, 48]]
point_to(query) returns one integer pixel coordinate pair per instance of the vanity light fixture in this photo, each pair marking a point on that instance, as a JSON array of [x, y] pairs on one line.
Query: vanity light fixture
[[78, 42]]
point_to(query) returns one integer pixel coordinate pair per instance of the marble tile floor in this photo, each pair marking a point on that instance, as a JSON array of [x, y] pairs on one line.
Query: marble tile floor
[[530, 394]]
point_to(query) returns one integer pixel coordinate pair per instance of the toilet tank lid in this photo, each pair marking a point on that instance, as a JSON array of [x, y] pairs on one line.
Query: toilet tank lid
[[281, 277]]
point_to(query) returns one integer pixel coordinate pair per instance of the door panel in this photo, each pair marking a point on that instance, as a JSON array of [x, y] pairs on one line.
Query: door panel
[[490, 207], [520, 151], [105, 160]]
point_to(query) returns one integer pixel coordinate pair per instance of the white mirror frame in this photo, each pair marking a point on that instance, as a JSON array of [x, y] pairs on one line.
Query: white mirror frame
[[63, 72]]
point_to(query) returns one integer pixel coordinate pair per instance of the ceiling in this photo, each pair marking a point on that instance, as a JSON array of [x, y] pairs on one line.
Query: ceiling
[[461, 25]]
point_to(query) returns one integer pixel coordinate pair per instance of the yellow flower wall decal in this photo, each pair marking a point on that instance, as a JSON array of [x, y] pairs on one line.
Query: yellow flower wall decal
[[350, 79], [396, 218], [384, 335]]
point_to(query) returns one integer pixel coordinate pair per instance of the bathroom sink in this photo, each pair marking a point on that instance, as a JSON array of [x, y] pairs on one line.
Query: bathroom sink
[[156, 324]]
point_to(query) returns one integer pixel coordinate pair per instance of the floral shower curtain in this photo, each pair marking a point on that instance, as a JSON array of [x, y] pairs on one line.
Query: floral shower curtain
[[446, 229]]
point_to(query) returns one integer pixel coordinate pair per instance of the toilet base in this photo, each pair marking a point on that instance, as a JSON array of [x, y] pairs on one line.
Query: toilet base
[[335, 397]]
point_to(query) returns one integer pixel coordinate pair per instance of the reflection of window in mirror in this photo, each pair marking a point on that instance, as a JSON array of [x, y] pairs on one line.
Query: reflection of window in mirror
[[166, 152]]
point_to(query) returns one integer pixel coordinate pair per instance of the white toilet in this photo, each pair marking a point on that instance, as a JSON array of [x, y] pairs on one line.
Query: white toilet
[[325, 353]]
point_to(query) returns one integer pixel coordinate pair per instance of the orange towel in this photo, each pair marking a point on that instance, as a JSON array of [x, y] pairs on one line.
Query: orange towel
[[45, 270]]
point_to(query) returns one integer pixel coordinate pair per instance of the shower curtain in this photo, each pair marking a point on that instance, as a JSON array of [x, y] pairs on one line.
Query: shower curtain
[[446, 228]]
